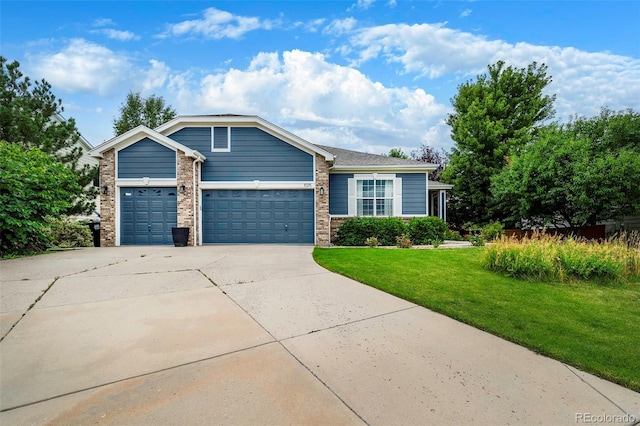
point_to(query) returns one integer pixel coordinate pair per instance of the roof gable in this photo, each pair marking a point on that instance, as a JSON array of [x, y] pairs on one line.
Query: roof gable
[[139, 133], [235, 120]]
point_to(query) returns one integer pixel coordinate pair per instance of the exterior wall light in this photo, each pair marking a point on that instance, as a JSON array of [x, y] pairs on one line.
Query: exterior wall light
[[105, 189], [182, 189], [322, 190]]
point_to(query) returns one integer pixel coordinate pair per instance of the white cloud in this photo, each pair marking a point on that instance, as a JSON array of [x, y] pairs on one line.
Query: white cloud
[[362, 4], [310, 26], [218, 24], [340, 26], [583, 81], [83, 66], [465, 13], [324, 102], [117, 34], [103, 22]]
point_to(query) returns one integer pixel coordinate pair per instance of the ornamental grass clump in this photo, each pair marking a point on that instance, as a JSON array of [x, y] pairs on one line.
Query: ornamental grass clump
[[552, 258]]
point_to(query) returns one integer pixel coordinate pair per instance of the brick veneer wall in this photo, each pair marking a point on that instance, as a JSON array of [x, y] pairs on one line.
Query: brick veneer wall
[[322, 202], [185, 199], [108, 200]]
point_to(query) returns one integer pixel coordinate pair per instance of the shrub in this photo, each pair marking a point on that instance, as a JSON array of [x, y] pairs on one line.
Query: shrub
[[546, 257], [355, 231], [372, 242], [65, 233], [427, 230], [492, 231], [403, 241], [453, 235]]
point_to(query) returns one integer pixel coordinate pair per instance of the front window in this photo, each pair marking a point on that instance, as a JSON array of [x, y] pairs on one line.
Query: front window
[[374, 197]]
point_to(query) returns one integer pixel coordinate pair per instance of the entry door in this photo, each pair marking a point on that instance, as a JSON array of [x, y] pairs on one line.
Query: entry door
[[147, 215]]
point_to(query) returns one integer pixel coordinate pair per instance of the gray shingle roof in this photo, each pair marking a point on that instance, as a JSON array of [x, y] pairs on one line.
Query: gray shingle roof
[[346, 157]]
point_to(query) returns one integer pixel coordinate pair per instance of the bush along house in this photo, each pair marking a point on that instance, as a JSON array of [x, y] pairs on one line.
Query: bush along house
[[233, 179]]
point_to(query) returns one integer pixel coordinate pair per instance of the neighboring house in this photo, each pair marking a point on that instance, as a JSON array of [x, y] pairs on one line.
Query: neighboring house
[[85, 159], [240, 179]]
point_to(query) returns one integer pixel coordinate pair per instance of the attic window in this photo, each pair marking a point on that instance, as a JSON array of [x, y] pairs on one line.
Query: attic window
[[220, 139]]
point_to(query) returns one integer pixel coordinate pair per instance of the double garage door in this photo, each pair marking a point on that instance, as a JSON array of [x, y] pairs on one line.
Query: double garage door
[[228, 216], [257, 216]]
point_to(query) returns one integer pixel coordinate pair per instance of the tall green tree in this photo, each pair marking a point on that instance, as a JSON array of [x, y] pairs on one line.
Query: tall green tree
[[30, 116], [494, 117], [576, 175], [137, 110], [398, 153], [33, 185]]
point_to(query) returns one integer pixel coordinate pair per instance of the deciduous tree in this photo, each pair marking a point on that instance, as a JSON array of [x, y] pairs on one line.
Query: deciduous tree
[[136, 111], [576, 174], [494, 117], [429, 154]]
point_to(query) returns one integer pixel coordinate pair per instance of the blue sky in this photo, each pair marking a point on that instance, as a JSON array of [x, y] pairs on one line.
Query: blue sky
[[363, 74]]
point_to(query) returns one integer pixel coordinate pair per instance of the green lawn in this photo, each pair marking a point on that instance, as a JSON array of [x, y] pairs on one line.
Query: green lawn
[[593, 327]]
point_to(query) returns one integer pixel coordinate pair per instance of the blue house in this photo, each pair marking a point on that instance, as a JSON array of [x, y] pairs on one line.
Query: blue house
[[235, 179]]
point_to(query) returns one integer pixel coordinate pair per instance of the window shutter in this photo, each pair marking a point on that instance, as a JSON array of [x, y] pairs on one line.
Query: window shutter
[[397, 197], [351, 194]]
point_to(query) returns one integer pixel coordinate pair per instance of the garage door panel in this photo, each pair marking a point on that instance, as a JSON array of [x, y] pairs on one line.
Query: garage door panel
[[147, 215], [258, 216]]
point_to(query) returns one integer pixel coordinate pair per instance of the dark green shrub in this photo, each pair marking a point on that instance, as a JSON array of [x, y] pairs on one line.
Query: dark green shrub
[[355, 231], [65, 233], [492, 231], [427, 230], [453, 235]]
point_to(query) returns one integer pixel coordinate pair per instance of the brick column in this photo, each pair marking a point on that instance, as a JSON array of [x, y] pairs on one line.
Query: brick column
[[108, 200], [322, 202], [185, 199]]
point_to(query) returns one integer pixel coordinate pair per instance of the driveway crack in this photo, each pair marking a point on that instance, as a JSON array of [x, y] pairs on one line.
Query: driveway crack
[[30, 307]]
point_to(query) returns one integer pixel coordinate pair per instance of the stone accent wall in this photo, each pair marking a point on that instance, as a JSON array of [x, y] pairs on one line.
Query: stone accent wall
[[185, 198], [108, 200], [322, 202]]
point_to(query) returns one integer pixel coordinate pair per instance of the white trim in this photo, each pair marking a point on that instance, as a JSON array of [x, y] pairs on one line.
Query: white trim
[[142, 182], [258, 184], [427, 197], [228, 148], [352, 198], [397, 197], [118, 215], [409, 168]]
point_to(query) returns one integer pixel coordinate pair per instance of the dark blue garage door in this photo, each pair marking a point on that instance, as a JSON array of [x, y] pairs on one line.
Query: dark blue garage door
[[147, 215], [257, 216]]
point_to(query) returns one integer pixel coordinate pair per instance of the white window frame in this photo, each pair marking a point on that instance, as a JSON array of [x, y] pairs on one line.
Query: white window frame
[[228, 148], [396, 209]]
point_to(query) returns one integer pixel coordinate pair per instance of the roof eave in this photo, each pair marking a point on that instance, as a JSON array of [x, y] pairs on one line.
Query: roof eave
[[387, 168]]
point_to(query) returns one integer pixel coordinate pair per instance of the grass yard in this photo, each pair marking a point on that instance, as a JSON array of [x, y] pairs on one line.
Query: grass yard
[[591, 326]]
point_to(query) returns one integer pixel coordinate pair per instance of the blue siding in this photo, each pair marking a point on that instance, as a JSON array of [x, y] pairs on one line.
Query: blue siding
[[339, 194], [254, 154], [146, 158], [414, 193]]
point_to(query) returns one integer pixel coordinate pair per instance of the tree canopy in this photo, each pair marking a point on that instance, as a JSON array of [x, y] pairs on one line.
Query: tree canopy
[[576, 175], [33, 185], [137, 110], [397, 153], [494, 117], [429, 154], [30, 116]]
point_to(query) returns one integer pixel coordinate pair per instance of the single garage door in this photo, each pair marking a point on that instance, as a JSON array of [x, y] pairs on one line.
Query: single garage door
[[147, 215], [257, 216]]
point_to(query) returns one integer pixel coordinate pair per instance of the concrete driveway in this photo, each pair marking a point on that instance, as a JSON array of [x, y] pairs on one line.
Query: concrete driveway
[[259, 335]]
